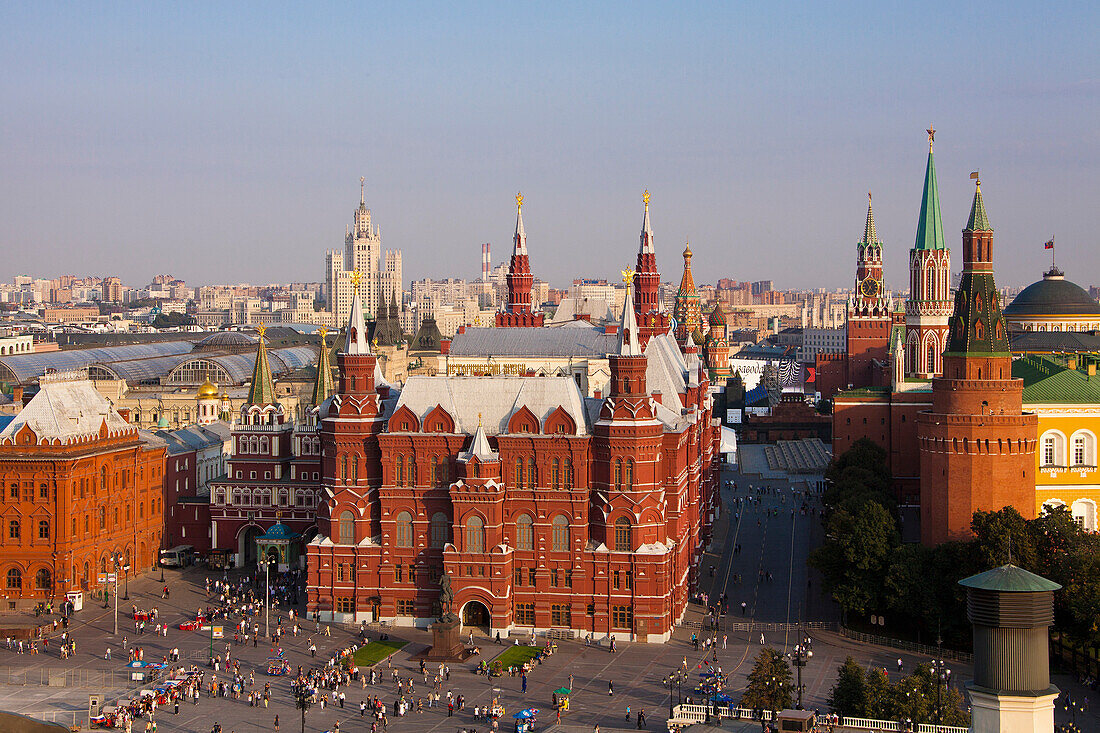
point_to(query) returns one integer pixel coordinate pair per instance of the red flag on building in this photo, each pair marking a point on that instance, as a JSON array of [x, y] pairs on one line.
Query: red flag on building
[[1049, 245]]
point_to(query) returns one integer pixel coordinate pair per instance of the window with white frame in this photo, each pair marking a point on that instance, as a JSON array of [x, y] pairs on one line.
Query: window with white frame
[[1083, 448]]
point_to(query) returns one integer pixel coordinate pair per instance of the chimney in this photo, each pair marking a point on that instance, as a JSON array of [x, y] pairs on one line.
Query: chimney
[[444, 346], [597, 394], [462, 329], [17, 393], [610, 329]]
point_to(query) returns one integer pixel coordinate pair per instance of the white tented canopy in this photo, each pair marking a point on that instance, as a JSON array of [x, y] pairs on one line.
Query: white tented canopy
[[729, 441]]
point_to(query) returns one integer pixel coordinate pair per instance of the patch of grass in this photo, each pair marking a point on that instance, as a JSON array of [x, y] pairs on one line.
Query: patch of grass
[[376, 651], [516, 655]]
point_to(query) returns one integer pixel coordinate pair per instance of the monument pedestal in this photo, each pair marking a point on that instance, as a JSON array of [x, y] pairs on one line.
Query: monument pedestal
[[447, 641]]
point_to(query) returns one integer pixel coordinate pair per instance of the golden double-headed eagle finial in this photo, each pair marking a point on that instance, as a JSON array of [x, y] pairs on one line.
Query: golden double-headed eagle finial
[[645, 197], [262, 329], [519, 201], [628, 276], [356, 276], [323, 332]]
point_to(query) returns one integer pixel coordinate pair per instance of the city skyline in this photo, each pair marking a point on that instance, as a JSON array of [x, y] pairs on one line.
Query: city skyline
[[226, 144]]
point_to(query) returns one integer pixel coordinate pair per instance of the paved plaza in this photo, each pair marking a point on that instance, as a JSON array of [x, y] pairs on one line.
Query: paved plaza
[[772, 540]]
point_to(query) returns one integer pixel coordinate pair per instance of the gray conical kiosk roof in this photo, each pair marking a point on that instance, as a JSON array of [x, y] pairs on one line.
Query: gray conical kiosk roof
[[1011, 610]]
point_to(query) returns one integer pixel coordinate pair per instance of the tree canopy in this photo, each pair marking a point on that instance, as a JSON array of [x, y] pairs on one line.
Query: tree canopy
[[769, 683]]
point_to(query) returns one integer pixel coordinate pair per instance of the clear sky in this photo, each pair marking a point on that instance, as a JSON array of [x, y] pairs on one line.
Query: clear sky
[[223, 142]]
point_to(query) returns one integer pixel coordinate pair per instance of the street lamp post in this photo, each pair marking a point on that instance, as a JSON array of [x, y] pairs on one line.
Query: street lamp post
[[302, 700], [943, 678], [799, 657], [126, 569], [267, 599], [676, 678]]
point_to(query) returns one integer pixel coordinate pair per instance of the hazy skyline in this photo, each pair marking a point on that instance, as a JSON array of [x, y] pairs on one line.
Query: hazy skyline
[[225, 143]]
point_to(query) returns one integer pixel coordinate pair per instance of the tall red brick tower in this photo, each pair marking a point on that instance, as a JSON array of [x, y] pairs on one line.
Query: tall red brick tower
[[647, 295], [869, 312], [977, 445], [518, 310], [628, 507]]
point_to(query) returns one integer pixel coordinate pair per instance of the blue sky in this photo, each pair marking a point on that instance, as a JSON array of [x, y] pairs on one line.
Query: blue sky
[[223, 142]]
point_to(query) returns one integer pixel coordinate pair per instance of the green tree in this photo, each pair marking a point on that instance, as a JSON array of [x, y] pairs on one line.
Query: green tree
[[880, 698], [769, 683], [849, 695], [855, 554], [1003, 536]]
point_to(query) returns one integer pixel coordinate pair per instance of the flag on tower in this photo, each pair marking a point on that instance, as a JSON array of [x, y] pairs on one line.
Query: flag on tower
[[1049, 244]]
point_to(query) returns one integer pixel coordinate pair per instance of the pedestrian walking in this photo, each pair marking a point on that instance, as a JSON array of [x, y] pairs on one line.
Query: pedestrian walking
[[276, 724], [610, 688]]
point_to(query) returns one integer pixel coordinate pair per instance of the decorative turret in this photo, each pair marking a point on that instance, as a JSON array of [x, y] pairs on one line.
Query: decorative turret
[[207, 403], [629, 345], [718, 348], [869, 312], [518, 310], [977, 326], [262, 390], [356, 362], [686, 311], [870, 295], [647, 286], [323, 386], [929, 305]]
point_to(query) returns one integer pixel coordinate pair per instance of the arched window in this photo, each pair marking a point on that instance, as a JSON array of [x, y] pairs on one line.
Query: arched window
[[618, 474], [1084, 448], [354, 473], [399, 468], [931, 357], [624, 541], [344, 468], [1054, 449], [404, 530], [568, 471], [43, 529], [15, 579], [13, 529], [1084, 513], [42, 580], [532, 474], [555, 474], [560, 525], [441, 529], [437, 472], [517, 479], [525, 532], [628, 475], [102, 518], [103, 478], [475, 534], [347, 528]]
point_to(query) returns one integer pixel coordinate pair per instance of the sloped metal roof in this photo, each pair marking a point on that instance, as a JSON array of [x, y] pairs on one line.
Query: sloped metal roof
[[588, 341], [24, 368]]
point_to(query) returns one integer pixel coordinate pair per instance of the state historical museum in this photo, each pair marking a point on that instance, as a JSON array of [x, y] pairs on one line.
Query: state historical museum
[[547, 509]]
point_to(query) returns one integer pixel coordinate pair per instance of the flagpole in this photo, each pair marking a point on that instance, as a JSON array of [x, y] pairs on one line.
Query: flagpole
[[1052, 252]]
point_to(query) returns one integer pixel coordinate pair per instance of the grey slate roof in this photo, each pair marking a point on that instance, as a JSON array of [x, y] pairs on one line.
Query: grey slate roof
[[579, 340], [27, 367], [1053, 341]]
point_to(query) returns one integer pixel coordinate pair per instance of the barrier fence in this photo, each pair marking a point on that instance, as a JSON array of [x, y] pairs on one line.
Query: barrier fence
[[698, 714], [86, 678]]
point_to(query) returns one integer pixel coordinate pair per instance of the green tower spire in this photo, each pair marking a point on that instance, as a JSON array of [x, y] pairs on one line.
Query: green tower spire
[[978, 221], [930, 224], [262, 390], [323, 387]]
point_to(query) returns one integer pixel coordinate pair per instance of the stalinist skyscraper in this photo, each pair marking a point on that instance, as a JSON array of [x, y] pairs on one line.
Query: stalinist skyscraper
[[380, 271]]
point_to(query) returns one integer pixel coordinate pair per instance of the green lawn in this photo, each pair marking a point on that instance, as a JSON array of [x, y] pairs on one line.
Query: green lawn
[[376, 651], [516, 655]]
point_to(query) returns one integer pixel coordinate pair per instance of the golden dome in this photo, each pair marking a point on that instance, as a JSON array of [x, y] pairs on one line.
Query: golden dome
[[207, 391]]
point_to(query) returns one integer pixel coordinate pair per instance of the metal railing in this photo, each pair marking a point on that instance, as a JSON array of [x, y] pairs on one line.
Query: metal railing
[[698, 714], [71, 718], [908, 646], [58, 677]]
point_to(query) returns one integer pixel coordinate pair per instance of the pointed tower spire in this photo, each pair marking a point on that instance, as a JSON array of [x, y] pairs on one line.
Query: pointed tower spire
[[979, 221], [869, 234], [262, 390], [646, 244], [519, 239], [355, 340], [323, 387], [930, 224], [686, 309], [629, 345], [362, 191]]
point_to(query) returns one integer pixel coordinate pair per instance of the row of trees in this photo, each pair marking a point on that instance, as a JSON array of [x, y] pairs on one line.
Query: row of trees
[[868, 570], [918, 697]]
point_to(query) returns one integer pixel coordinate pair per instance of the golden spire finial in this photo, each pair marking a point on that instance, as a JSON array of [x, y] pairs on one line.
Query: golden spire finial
[[323, 332], [479, 419], [519, 201], [645, 198], [356, 276], [868, 198], [628, 276], [262, 329], [931, 137]]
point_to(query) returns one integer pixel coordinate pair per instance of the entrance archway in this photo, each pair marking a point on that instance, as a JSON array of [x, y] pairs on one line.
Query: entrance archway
[[247, 544], [475, 614]]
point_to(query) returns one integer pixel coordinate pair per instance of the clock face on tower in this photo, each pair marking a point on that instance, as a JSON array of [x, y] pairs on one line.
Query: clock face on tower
[[869, 287]]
